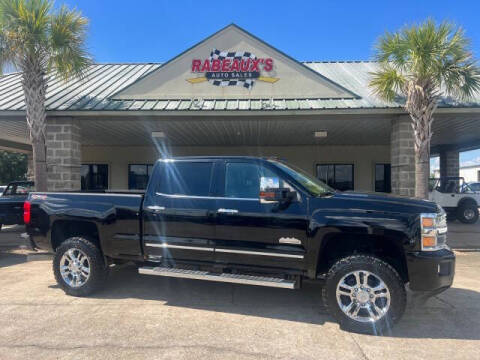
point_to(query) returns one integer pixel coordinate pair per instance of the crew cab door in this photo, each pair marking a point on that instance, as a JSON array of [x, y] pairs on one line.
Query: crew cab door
[[254, 233], [178, 211]]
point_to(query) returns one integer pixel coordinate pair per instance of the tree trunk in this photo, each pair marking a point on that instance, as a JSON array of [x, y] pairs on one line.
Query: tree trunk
[[34, 88], [421, 104], [422, 173], [40, 164]]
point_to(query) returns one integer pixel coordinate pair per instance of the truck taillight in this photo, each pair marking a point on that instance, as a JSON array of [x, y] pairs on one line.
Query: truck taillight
[[26, 212]]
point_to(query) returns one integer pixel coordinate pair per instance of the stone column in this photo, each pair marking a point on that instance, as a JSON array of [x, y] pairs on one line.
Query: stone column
[[63, 154], [402, 157], [30, 168], [449, 163]]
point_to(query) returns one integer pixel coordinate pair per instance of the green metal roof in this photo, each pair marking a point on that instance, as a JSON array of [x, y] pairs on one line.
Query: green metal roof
[[94, 92]]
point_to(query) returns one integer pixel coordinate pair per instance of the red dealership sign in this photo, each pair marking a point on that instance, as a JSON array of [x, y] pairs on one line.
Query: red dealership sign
[[231, 68]]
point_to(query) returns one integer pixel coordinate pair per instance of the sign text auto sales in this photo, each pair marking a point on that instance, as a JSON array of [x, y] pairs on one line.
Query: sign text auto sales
[[234, 69]]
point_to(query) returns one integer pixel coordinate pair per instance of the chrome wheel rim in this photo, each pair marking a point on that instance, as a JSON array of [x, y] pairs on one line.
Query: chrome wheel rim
[[363, 296], [75, 268], [469, 214]]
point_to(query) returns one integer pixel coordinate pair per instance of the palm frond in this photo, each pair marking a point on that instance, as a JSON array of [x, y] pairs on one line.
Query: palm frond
[[24, 27], [462, 82], [69, 55], [387, 82], [429, 55]]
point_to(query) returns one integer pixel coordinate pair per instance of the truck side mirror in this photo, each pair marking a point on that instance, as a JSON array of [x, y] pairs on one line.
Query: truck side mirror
[[278, 195], [270, 191]]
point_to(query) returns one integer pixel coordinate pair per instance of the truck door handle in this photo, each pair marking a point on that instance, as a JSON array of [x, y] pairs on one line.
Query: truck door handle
[[155, 208], [227, 211]]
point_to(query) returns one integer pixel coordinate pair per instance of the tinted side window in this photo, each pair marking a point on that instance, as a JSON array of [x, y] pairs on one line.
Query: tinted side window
[[242, 180], [185, 178], [19, 189]]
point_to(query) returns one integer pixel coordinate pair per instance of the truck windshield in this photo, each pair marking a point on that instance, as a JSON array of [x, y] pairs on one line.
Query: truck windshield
[[313, 185]]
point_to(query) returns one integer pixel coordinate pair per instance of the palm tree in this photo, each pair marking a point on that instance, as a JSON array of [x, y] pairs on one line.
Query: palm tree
[[36, 40], [422, 63]]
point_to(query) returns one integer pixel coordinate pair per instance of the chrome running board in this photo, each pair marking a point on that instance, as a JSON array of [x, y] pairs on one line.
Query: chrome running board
[[224, 277]]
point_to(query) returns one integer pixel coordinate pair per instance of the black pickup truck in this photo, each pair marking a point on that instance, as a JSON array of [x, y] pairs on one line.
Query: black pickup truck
[[251, 221], [11, 202]]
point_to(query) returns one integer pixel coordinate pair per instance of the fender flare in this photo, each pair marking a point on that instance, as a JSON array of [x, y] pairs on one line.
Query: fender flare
[[467, 200]]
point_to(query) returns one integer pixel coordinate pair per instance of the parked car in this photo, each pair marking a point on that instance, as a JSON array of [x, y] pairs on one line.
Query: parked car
[[11, 202], [456, 198], [2, 189], [253, 221]]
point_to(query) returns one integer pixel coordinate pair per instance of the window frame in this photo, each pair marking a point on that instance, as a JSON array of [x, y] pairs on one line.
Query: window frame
[[140, 164], [375, 177], [95, 163], [336, 164]]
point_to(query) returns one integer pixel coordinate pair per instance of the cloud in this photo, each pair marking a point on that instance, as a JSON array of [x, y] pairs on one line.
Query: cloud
[[475, 161]]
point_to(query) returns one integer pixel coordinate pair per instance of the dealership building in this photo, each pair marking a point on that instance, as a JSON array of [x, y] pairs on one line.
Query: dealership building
[[231, 94]]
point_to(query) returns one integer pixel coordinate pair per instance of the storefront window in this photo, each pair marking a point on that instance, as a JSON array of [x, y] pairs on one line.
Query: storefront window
[[383, 179], [138, 175], [94, 176], [338, 176]]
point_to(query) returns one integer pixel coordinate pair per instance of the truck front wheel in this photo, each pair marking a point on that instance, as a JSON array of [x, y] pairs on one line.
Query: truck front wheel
[[364, 294], [79, 267]]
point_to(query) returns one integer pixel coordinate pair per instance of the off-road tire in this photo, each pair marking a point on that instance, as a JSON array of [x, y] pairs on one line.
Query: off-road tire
[[467, 206], [378, 267], [98, 268]]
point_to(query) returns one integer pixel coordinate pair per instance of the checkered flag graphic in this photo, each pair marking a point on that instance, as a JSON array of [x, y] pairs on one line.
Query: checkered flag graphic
[[239, 55]]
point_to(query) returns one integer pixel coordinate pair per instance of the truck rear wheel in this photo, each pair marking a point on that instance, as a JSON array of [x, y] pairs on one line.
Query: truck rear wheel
[[79, 267], [364, 294], [467, 213]]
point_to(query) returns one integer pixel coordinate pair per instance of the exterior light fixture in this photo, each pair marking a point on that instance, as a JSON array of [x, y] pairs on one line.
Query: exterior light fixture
[[158, 134], [321, 134]]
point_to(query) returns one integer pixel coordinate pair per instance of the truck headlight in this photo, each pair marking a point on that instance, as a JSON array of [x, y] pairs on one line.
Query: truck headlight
[[433, 227]]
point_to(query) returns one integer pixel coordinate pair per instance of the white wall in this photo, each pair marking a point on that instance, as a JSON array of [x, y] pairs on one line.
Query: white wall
[[470, 174], [306, 157]]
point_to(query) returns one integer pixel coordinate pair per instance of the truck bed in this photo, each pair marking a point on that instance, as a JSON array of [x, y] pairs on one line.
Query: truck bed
[[116, 216]]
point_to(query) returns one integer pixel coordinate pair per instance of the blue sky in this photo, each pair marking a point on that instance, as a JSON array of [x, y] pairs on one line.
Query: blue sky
[[155, 31]]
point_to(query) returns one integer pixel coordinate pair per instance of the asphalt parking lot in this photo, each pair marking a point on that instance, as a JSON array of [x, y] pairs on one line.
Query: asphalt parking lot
[[139, 316]]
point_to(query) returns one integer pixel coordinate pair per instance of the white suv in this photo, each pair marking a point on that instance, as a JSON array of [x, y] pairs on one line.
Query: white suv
[[456, 197]]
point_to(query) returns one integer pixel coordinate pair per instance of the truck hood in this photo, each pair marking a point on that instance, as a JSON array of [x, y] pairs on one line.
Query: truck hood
[[382, 203]]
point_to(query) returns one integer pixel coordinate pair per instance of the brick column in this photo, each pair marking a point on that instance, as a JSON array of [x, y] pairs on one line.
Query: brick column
[[63, 154], [449, 163], [402, 157], [30, 168]]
